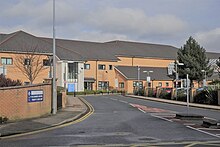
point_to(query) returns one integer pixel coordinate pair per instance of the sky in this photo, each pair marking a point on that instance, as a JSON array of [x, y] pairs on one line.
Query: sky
[[169, 22]]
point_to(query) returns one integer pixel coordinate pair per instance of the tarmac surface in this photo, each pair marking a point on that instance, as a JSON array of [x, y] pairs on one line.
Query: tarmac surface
[[74, 110]]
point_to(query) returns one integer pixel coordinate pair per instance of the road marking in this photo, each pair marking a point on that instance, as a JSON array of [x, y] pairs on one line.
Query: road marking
[[132, 105], [203, 132], [113, 99], [161, 118], [141, 110], [123, 101]]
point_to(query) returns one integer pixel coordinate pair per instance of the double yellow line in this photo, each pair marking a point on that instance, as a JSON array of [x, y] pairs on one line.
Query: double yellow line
[[86, 114]]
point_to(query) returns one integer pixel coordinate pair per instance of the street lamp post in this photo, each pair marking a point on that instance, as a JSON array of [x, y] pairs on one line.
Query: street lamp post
[[177, 77], [204, 81], [138, 76], [54, 102], [148, 78]]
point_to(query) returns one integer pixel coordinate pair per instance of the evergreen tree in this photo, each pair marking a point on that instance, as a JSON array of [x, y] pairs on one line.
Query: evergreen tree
[[194, 59], [218, 64]]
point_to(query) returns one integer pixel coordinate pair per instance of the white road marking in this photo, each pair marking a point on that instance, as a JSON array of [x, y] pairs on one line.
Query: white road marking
[[161, 118], [141, 110], [203, 132], [123, 101], [113, 99], [131, 105]]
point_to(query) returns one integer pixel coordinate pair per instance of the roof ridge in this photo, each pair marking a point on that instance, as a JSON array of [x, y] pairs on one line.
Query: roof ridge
[[60, 46], [6, 39]]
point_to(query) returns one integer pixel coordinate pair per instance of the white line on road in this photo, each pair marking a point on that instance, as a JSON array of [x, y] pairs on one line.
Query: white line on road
[[203, 131], [141, 110], [113, 99], [161, 118], [123, 101], [131, 105]]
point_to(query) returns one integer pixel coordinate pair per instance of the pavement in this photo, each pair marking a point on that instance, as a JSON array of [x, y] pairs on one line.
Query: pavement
[[74, 110]]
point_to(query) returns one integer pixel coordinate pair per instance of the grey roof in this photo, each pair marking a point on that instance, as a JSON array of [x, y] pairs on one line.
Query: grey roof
[[212, 55], [145, 50], [23, 42], [89, 50], [131, 73], [83, 50]]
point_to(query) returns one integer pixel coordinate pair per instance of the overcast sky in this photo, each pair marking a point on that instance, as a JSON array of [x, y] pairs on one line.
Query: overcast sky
[[152, 21]]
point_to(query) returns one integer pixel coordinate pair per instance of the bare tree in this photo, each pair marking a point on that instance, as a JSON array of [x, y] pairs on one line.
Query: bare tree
[[30, 64]]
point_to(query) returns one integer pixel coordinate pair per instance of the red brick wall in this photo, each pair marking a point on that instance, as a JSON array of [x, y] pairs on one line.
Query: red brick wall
[[14, 102]]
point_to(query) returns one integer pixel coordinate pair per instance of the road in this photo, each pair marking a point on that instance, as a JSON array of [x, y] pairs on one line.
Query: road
[[119, 121]]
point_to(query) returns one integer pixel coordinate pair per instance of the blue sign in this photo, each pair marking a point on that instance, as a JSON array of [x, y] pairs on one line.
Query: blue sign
[[35, 95], [71, 87]]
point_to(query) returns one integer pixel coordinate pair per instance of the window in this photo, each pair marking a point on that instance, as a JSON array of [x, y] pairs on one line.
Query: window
[[121, 85], [6, 61], [135, 84], [72, 70], [103, 85], [101, 67], [160, 84], [110, 67], [46, 62], [87, 66], [167, 84], [149, 85]]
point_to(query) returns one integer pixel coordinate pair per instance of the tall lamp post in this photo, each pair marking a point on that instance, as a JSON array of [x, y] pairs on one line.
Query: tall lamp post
[[204, 81], [54, 102], [177, 77], [148, 78], [138, 77]]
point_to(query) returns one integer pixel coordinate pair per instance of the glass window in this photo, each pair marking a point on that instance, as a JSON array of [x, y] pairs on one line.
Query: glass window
[[135, 84], [110, 67], [87, 66], [160, 84], [149, 85], [72, 70], [103, 85], [121, 85], [46, 62], [167, 84], [6, 61], [101, 67]]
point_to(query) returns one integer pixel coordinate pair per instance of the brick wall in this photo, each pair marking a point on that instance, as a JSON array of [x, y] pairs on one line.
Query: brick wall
[[14, 102]]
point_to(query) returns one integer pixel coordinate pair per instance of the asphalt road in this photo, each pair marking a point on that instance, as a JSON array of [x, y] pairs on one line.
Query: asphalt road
[[120, 121]]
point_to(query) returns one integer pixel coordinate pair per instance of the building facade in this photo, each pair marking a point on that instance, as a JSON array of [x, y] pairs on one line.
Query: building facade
[[117, 65]]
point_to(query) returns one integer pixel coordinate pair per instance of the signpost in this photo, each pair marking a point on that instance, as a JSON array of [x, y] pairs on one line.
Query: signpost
[[71, 87], [35, 95]]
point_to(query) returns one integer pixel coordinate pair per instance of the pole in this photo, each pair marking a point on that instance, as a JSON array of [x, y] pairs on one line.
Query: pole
[[176, 81], [138, 79], [187, 92], [54, 106]]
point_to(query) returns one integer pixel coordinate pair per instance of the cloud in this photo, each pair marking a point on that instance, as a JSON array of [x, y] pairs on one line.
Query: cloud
[[100, 37], [209, 39], [135, 21]]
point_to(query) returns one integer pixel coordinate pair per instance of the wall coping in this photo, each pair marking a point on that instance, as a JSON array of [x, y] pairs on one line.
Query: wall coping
[[23, 86]]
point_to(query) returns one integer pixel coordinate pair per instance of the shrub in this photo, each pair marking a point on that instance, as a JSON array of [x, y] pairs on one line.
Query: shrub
[[3, 119], [181, 95], [207, 96], [7, 82], [140, 92], [164, 94]]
